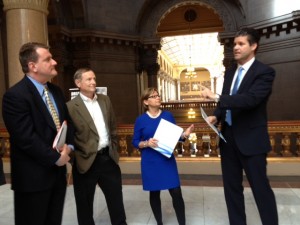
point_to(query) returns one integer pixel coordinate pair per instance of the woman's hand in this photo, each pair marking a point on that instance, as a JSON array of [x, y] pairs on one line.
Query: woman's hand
[[152, 142], [189, 130]]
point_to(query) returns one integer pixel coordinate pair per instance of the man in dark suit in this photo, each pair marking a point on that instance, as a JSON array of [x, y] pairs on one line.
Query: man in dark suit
[[242, 112], [96, 151], [38, 172]]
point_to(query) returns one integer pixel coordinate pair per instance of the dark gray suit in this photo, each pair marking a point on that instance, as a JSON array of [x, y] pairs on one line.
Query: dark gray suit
[[247, 143], [90, 167]]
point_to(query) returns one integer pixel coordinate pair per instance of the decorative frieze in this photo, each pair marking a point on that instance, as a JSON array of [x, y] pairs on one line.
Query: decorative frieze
[[93, 36], [277, 26]]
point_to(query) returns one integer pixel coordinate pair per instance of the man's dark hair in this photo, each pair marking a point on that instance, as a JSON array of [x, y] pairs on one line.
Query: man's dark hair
[[253, 35], [28, 54]]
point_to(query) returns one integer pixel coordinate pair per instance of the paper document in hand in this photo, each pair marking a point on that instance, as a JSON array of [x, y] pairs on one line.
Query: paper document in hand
[[60, 138], [215, 129], [167, 134]]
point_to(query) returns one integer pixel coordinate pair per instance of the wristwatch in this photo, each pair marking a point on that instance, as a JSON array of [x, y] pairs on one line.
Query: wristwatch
[[145, 144]]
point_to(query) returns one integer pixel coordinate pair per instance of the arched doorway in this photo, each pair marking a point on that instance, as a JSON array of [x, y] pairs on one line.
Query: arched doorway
[[201, 23]]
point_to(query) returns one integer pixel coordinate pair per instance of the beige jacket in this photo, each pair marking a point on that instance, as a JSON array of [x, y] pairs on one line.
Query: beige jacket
[[86, 137]]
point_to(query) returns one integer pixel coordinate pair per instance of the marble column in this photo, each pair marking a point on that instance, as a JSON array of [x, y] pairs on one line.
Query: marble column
[[163, 89], [178, 90], [26, 21], [159, 84]]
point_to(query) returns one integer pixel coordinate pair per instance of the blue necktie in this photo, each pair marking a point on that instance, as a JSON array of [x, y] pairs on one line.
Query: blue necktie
[[234, 91]]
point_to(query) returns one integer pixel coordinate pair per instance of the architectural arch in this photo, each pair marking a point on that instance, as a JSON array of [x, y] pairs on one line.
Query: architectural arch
[[147, 26]]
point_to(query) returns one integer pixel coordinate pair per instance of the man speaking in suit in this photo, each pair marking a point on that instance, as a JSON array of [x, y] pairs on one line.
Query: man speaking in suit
[[241, 109], [38, 172], [96, 151]]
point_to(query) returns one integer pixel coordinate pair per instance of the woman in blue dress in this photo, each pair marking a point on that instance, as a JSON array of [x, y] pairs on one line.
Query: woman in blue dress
[[158, 171]]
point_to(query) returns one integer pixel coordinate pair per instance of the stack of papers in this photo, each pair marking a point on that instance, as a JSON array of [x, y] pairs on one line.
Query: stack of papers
[[60, 138], [167, 135], [215, 129]]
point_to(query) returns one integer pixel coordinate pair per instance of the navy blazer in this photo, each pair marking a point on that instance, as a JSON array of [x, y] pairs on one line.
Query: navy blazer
[[32, 131], [248, 107]]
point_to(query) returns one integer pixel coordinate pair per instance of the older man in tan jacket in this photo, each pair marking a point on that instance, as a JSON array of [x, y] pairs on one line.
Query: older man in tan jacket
[[96, 155]]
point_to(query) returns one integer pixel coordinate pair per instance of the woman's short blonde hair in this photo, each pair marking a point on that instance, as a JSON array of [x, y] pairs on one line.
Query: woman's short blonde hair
[[147, 92]]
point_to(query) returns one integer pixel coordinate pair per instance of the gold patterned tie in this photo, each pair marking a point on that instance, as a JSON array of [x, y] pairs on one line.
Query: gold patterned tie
[[51, 108]]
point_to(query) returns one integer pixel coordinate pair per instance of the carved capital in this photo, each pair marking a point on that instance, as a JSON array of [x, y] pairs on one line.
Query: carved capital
[[38, 5]]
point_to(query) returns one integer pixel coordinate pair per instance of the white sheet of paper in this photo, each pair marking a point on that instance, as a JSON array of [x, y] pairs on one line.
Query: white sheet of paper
[[215, 129], [167, 135]]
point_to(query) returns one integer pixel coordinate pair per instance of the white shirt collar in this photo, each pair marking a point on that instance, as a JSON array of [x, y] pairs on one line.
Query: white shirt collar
[[247, 65], [86, 99]]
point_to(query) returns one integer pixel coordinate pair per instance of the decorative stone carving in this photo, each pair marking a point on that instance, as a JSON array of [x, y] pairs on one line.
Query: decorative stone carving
[[286, 145], [213, 145], [39, 5], [298, 144], [123, 146], [272, 153]]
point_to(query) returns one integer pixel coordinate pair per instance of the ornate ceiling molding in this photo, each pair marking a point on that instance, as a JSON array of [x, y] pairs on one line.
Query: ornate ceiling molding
[[278, 25], [93, 36]]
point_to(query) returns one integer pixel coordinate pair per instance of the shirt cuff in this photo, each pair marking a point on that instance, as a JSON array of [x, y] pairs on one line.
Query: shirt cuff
[[71, 147]]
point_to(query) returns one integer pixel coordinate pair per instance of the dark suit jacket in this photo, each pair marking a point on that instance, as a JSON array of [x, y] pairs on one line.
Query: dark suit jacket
[[86, 136], [32, 131], [248, 107]]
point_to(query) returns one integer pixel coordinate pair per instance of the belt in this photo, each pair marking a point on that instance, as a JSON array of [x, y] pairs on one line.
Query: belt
[[103, 151]]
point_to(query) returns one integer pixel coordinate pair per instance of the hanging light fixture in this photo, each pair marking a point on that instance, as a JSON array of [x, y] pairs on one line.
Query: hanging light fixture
[[190, 15], [190, 71], [191, 114]]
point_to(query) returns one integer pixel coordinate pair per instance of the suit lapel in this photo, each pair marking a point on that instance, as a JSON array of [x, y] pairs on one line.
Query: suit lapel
[[228, 81], [84, 113], [39, 102], [248, 76], [103, 109]]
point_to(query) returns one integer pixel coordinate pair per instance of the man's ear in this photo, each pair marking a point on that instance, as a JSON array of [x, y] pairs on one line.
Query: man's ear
[[254, 46], [32, 67], [77, 82]]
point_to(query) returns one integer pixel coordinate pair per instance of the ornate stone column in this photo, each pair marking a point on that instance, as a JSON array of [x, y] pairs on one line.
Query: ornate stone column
[[226, 39], [26, 20]]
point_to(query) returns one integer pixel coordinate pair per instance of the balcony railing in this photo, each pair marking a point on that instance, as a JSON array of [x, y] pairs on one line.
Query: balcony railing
[[284, 138], [284, 135]]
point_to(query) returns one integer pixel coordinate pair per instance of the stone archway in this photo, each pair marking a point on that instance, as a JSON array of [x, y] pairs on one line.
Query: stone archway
[[152, 16], [231, 15]]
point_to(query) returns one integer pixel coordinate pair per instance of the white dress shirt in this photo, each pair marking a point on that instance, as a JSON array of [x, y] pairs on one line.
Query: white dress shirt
[[94, 109]]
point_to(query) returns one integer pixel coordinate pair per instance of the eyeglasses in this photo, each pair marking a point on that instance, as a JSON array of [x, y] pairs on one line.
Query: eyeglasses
[[154, 96]]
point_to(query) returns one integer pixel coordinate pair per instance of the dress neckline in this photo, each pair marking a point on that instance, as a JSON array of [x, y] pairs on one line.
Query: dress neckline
[[154, 117]]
